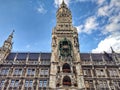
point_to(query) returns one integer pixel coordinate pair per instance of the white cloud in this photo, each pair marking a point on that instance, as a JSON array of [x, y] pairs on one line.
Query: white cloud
[[115, 19], [85, 0], [80, 28], [112, 27], [109, 9], [41, 9], [103, 11], [58, 2], [100, 2], [89, 25], [104, 45], [112, 12]]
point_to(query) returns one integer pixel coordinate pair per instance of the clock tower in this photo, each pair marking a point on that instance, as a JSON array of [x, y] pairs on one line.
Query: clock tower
[[65, 71]]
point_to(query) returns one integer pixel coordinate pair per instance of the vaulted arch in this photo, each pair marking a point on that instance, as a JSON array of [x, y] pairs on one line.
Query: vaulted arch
[[66, 81], [66, 68]]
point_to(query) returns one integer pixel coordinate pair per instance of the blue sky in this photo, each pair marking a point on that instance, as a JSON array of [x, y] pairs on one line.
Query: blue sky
[[97, 21]]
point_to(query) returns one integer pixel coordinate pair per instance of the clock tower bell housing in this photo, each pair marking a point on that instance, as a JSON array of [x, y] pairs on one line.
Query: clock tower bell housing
[[65, 71]]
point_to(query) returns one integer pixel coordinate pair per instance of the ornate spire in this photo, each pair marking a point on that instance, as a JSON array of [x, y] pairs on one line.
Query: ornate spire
[[64, 14], [9, 39], [63, 1]]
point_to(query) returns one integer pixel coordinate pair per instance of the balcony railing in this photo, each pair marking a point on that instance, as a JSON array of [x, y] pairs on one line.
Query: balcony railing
[[66, 70], [67, 83]]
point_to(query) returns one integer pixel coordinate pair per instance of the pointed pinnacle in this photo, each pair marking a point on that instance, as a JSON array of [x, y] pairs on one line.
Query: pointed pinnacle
[[63, 2], [12, 32], [11, 35], [112, 50]]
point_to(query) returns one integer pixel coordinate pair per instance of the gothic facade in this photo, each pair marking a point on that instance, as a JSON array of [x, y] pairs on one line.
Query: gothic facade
[[65, 68]]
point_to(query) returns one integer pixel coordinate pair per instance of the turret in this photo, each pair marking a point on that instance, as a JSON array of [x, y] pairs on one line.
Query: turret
[[65, 71], [7, 47], [64, 14]]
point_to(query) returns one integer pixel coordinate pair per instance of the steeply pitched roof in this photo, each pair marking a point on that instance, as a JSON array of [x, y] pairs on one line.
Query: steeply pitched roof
[[47, 56], [30, 56]]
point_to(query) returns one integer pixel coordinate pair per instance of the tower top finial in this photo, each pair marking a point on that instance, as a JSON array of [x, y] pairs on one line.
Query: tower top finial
[[12, 32], [63, 3]]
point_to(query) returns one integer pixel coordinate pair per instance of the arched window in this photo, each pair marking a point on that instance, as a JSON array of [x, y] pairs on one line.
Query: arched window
[[66, 81], [66, 68]]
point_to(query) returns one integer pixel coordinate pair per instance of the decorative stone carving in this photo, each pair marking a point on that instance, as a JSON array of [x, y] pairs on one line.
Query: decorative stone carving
[[54, 41]]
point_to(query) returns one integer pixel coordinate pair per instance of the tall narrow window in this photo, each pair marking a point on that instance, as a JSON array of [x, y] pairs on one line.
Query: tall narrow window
[[2, 83], [44, 72], [31, 72], [116, 84], [89, 84], [87, 72], [102, 85], [100, 72], [14, 83], [28, 83], [43, 83], [18, 71], [4, 71], [113, 72], [40, 83]]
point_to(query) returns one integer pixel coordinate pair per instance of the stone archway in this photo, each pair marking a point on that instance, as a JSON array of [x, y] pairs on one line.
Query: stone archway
[[66, 81], [66, 68]]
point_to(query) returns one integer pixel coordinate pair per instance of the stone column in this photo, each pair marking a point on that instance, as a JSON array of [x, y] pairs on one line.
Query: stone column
[[108, 82], [94, 84], [9, 81], [23, 85]]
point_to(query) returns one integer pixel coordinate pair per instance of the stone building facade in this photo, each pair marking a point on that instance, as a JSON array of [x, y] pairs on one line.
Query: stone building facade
[[65, 68]]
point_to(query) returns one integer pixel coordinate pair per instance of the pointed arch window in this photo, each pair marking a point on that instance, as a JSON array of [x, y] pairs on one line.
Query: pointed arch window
[[66, 68], [66, 81]]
